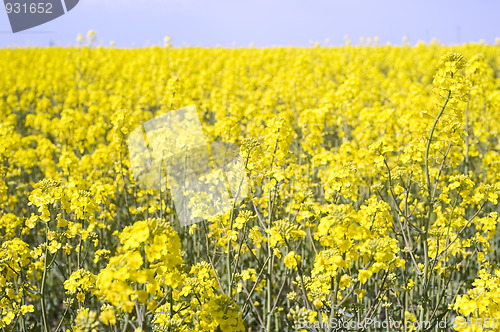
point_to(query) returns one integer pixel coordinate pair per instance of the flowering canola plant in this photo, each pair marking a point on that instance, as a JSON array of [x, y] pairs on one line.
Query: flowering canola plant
[[373, 176]]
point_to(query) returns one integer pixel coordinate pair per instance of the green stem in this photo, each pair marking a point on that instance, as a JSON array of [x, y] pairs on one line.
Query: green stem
[[333, 304], [44, 277], [431, 204], [229, 258], [466, 166], [270, 249], [255, 284]]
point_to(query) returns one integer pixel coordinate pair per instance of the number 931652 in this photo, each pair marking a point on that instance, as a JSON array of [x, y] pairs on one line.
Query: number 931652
[[31, 8]]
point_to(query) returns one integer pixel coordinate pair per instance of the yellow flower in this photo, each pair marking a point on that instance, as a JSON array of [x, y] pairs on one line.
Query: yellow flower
[[107, 316], [31, 222], [363, 275], [291, 260]]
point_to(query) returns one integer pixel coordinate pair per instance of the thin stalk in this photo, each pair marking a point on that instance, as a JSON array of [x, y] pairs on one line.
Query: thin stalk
[[270, 250], [431, 203], [230, 274], [467, 144], [333, 304], [44, 277], [255, 284]]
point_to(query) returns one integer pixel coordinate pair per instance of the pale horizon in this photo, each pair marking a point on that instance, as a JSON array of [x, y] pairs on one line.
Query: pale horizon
[[264, 23]]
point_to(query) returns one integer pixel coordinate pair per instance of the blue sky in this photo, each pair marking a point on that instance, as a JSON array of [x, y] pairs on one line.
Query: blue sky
[[264, 22]]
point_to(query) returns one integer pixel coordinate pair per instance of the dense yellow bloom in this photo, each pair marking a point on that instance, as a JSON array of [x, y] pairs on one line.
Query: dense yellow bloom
[[223, 312]]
